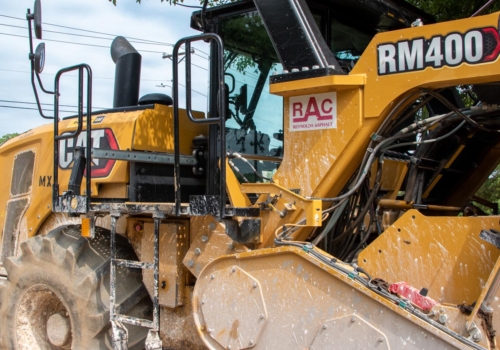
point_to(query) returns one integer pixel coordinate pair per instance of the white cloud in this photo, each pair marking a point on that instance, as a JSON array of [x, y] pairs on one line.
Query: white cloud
[[151, 20]]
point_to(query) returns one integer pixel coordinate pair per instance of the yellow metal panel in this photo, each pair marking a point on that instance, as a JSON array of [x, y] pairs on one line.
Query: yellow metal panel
[[112, 190], [301, 294], [382, 91], [316, 161], [393, 173], [432, 185], [442, 254], [173, 245], [236, 196], [312, 208], [122, 125], [86, 230], [318, 85], [40, 141], [154, 130], [457, 153]]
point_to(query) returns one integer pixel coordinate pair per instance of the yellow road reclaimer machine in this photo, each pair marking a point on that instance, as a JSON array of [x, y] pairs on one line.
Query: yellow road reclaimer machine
[[325, 201]]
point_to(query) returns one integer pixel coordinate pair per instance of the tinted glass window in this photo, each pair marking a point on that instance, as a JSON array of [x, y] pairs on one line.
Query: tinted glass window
[[255, 128]]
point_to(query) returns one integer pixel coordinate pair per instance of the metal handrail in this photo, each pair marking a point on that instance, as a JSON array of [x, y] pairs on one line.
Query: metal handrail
[[221, 99], [57, 137]]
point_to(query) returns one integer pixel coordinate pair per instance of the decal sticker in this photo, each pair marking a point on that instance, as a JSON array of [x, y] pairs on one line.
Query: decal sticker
[[101, 138], [98, 120], [474, 47], [45, 181], [313, 112]]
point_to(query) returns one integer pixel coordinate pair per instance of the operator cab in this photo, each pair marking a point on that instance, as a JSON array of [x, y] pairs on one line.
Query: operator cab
[[253, 60]]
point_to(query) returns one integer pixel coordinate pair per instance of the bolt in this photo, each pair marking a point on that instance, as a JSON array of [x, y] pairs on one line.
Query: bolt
[[190, 263], [254, 285], [380, 340], [233, 269], [197, 251], [353, 319], [211, 226], [212, 277], [228, 347], [325, 326], [204, 238], [261, 317], [250, 343], [477, 337], [230, 246], [202, 328], [203, 303]]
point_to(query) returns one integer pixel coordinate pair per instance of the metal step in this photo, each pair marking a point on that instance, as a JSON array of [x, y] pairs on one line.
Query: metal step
[[133, 264], [134, 321], [119, 333]]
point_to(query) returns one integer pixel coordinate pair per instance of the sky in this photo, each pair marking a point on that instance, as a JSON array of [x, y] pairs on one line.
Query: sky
[[81, 31]]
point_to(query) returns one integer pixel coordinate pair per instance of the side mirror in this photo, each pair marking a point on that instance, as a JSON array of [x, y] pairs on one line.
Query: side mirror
[[37, 14], [39, 58], [240, 102], [233, 82]]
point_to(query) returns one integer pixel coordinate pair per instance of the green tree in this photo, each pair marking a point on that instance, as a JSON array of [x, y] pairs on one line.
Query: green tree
[[490, 190], [443, 10], [7, 137], [446, 10], [210, 2]]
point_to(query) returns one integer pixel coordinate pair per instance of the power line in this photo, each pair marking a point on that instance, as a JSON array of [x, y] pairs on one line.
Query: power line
[[47, 104], [89, 31], [87, 36], [36, 109], [190, 6], [102, 33], [69, 42], [199, 66], [70, 75]]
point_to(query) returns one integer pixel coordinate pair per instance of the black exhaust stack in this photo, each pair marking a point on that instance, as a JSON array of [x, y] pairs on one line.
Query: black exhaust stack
[[127, 73]]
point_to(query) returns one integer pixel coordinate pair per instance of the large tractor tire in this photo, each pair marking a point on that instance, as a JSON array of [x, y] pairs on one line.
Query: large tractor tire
[[57, 293]]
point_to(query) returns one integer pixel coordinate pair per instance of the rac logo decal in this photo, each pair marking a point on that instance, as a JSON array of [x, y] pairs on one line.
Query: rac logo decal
[[100, 138], [313, 112], [473, 47]]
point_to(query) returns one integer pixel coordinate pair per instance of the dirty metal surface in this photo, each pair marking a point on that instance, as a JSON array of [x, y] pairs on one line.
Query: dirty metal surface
[[177, 327], [348, 332], [245, 231], [242, 307], [483, 321], [443, 254], [208, 242], [301, 293], [491, 236], [173, 244]]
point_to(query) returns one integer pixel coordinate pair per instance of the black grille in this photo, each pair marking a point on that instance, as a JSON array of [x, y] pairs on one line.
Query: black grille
[[490, 44], [22, 174], [15, 211]]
